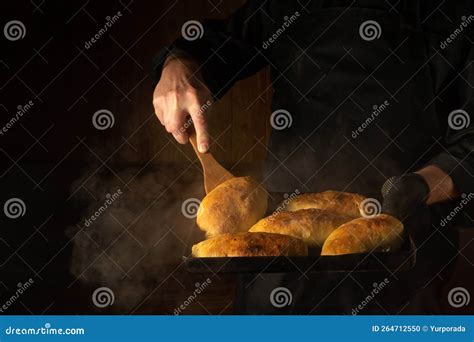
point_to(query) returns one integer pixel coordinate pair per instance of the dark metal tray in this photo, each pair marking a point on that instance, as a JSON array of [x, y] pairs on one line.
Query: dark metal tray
[[404, 259]]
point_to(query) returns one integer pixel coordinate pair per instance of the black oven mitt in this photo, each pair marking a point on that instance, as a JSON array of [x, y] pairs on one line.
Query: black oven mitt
[[404, 197]]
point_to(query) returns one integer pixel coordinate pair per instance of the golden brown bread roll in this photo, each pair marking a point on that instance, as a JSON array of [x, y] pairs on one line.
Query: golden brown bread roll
[[310, 225], [233, 206], [365, 234], [250, 245], [339, 202]]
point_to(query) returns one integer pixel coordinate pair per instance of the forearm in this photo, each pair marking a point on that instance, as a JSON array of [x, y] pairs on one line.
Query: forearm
[[441, 185]]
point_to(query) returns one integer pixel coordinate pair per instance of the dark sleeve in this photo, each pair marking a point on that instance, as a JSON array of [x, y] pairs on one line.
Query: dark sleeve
[[453, 76], [228, 51]]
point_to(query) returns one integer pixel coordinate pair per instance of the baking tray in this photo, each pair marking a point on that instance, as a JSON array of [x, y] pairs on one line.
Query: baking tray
[[404, 259]]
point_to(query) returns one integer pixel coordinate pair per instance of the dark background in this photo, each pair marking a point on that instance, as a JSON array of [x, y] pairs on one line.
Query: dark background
[[62, 167]]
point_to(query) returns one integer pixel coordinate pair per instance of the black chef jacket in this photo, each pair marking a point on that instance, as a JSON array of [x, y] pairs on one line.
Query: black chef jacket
[[363, 90]]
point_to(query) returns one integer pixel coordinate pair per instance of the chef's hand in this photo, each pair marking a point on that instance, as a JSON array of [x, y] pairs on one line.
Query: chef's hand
[[181, 93], [408, 196], [405, 195]]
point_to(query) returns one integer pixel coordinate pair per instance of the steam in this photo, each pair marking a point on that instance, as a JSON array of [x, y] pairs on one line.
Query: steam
[[132, 242]]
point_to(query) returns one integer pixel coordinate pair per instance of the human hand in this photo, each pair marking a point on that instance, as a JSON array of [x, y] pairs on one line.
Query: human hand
[[180, 94]]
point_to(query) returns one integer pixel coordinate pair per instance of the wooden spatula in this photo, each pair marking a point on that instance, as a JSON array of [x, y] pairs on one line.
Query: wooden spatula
[[214, 173]]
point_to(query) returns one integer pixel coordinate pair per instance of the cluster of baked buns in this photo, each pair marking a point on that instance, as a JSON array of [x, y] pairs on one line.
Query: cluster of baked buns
[[232, 215]]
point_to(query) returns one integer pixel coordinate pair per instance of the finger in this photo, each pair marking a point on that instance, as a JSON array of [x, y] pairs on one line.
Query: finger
[[174, 123], [181, 135], [174, 118], [200, 126], [158, 107]]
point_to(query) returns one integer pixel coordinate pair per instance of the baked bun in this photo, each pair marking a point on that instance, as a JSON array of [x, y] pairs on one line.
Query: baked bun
[[312, 226], [250, 245], [233, 206], [339, 202], [366, 234]]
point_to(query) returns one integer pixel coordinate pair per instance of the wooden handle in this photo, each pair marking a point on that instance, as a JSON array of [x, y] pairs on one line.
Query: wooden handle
[[193, 141], [214, 173]]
